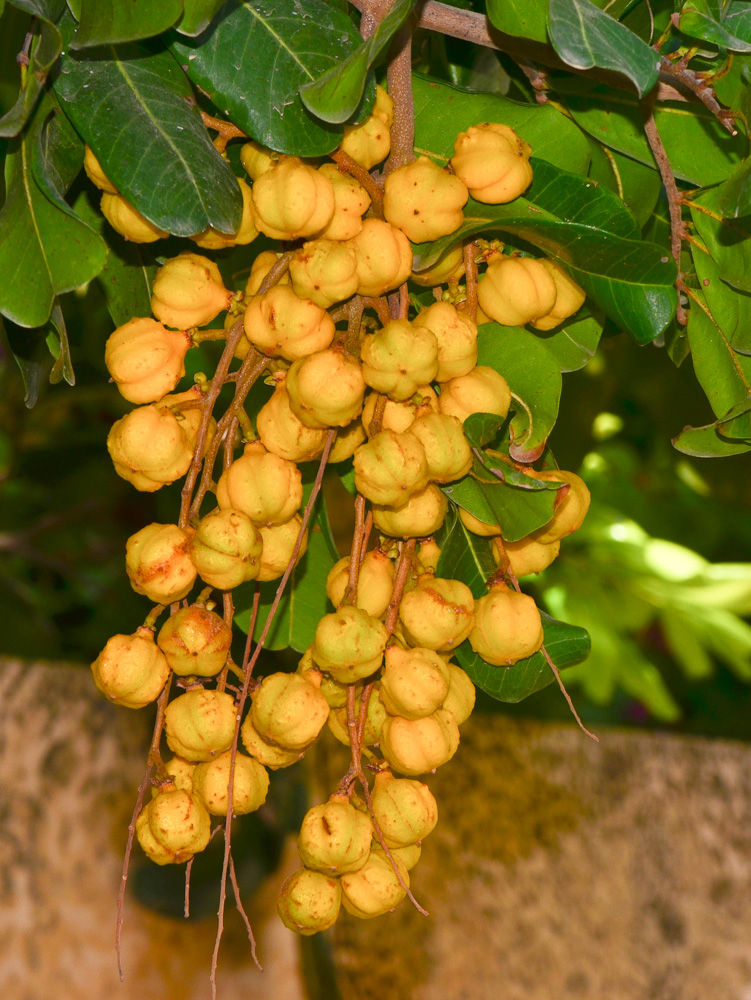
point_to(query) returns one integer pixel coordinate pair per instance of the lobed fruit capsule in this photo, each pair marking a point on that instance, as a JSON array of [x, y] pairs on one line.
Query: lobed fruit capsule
[[325, 272], [421, 515], [384, 257], [279, 541], [447, 451], [483, 390], [399, 416], [128, 221], [370, 142], [461, 697], [284, 434], [257, 159], [195, 641], [289, 709], [526, 556], [398, 358], [250, 784], [180, 774], [145, 359], [407, 856], [259, 269], [326, 389], [309, 901], [414, 682], [226, 549], [188, 291], [131, 670], [95, 173], [158, 562], [438, 613], [375, 888], [349, 644], [149, 447], [246, 232], [414, 746], [173, 827], [424, 201], [571, 505], [516, 290], [374, 584], [390, 468], [265, 487], [200, 724], [406, 810], [335, 837], [493, 162], [265, 753], [282, 325], [375, 716], [507, 626], [476, 526], [351, 202], [347, 441], [456, 336], [568, 299], [291, 199]]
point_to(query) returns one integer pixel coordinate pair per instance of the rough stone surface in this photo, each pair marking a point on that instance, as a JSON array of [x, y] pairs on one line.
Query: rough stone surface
[[559, 869]]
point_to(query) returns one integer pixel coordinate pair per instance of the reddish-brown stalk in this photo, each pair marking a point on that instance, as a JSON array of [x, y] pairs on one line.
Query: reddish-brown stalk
[[470, 272], [349, 166]]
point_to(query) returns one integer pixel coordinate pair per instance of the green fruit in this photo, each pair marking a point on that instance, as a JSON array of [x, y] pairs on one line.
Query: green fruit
[[335, 837], [309, 901], [375, 888], [405, 810]]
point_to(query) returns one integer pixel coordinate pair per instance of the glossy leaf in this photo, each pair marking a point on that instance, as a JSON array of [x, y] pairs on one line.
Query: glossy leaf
[[573, 343], [728, 242], [466, 557], [198, 16], [736, 423], [635, 183], [522, 18], [46, 249], [43, 54], [270, 48], [335, 96], [585, 37], [565, 645], [552, 136], [630, 280], [707, 442], [132, 107], [47, 10], [102, 22], [480, 429], [698, 147], [516, 510], [532, 375], [732, 32]]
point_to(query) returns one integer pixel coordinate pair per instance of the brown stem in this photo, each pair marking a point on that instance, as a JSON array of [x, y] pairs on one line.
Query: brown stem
[[403, 566], [355, 555], [243, 914], [538, 78], [349, 166], [701, 89], [152, 758], [376, 422], [380, 305], [186, 898], [677, 229], [276, 273], [470, 271], [464, 24], [566, 695], [400, 91]]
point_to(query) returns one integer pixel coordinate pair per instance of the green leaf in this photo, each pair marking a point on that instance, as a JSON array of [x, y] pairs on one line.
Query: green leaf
[[736, 423], [335, 96], [271, 48], [728, 243], [132, 107], [707, 442], [481, 428], [47, 10], [28, 350], [104, 22], [304, 602], [733, 34], [700, 150], [127, 276], [442, 111], [533, 376], [585, 37], [565, 645], [466, 557], [516, 510], [631, 281], [198, 16], [46, 249], [57, 341], [635, 183], [522, 18], [574, 343], [43, 54]]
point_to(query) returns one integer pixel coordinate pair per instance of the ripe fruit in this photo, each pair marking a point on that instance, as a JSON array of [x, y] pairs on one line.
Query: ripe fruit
[[200, 724], [370, 142], [128, 221], [569, 297], [516, 290], [374, 584], [256, 159], [279, 542], [483, 390], [158, 562], [226, 549], [259, 269], [195, 641], [375, 888], [149, 447], [493, 162], [291, 200], [131, 670], [528, 555], [415, 682], [284, 434], [180, 773], [461, 697], [188, 291], [414, 746], [456, 336], [95, 173], [449, 267], [446, 449], [246, 232], [335, 837], [324, 272], [265, 487], [282, 325], [351, 202], [145, 359], [289, 709], [326, 389], [507, 627], [309, 901], [391, 467], [421, 515], [399, 358], [438, 613], [266, 753], [384, 257], [424, 201], [349, 644], [173, 827], [571, 505], [338, 721], [405, 809], [400, 416], [249, 789]]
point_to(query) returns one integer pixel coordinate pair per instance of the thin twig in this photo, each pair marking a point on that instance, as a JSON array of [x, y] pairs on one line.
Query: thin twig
[[347, 165], [186, 900], [701, 89], [243, 914], [470, 271], [566, 695]]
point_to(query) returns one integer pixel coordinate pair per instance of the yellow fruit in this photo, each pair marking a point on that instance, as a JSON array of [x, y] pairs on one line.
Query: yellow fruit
[[282, 325], [326, 389], [569, 297], [257, 159], [370, 142], [456, 336], [265, 753], [571, 505], [528, 555], [405, 810], [265, 487], [249, 788], [507, 627], [398, 358], [145, 359], [516, 290], [195, 641], [128, 221], [289, 709], [291, 200], [149, 447], [95, 173], [325, 272], [335, 837], [348, 439], [390, 468], [259, 269], [461, 697], [212, 239], [446, 449], [173, 827], [338, 721], [414, 682], [399, 416], [424, 201], [158, 562], [449, 267], [415, 746], [226, 549], [374, 584], [279, 541], [384, 257], [476, 526], [180, 773], [188, 291], [422, 515], [375, 888], [309, 901], [483, 390], [438, 613], [284, 434], [200, 724], [351, 202], [493, 162], [349, 644], [131, 670]]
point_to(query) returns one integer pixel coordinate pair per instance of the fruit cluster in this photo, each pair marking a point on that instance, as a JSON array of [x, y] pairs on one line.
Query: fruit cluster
[[387, 392]]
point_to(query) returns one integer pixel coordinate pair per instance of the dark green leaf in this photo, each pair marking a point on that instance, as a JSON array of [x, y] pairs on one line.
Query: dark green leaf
[[736, 423], [574, 343], [48, 10], [523, 18], [132, 107], [517, 511], [57, 341], [630, 280], [585, 37], [335, 96], [442, 111], [198, 16], [466, 557], [481, 428], [270, 48], [46, 249], [28, 350], [700, 150], [729, 243], [636, 183], [103, 22], [127, 276], [532, 375], [44, 52], [707, 442], [734, 33], [59, 157], [565, 645]]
